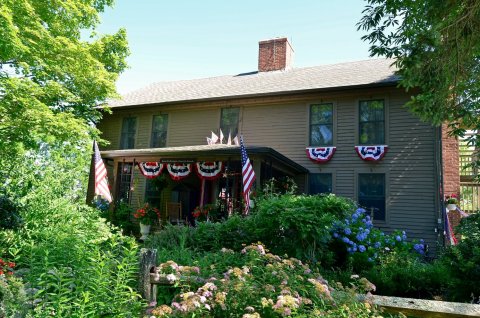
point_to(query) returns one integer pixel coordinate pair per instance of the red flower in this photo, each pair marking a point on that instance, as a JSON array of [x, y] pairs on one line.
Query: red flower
[[11, 264]]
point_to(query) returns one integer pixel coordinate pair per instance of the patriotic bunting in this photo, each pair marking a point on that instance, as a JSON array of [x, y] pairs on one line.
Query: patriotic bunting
[[209, 170], [151, 169], [371, 153], [320, 154], [179, 171]]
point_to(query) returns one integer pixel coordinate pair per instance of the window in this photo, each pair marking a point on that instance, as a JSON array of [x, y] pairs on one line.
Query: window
[[320, 183], [372, 122], [152, 193], [371, 194], [159, 131], [229, 121], [129, 129], [321, 125], [125, 180]]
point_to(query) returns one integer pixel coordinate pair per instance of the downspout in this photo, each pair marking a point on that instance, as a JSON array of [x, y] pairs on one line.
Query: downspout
[[439, 180]]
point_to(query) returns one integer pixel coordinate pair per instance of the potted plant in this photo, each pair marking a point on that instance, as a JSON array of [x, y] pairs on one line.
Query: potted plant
[[146, 215], [451, 202], [200, 213]]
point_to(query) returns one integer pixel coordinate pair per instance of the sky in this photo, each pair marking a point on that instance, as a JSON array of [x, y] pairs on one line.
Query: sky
[[189, 39]]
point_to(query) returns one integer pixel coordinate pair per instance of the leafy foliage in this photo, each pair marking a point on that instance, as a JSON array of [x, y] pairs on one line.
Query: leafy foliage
[[436, 48], [297, 225], [9, 214], [463, 261], [50, 79], [75, 265], [256, 283]]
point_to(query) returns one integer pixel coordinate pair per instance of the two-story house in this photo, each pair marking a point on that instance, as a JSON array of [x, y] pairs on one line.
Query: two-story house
[[339, 128]]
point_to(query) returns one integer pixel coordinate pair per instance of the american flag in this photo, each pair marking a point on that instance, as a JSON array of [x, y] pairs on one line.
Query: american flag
[[248, 176], [101, 184]]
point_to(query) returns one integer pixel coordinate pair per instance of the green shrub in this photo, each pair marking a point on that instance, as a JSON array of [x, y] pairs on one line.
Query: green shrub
[[74, 263], [463, 261], [255, 283], [402, 273], [13, 300], [9, 214], [297, 225]]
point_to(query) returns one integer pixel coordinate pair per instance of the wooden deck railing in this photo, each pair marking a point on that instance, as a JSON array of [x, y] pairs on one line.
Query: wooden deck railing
[[470, 197], [469, 188]]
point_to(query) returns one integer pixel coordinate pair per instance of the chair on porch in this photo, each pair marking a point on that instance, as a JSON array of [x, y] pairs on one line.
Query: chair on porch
[[174, 212]]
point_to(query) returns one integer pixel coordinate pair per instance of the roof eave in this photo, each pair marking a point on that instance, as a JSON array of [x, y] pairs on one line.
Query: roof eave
[[269, 94]]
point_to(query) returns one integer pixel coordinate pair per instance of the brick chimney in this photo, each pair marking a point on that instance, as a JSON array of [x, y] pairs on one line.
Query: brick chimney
[[274, 55]]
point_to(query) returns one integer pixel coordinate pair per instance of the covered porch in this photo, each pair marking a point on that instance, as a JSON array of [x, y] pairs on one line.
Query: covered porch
[[181, 181]]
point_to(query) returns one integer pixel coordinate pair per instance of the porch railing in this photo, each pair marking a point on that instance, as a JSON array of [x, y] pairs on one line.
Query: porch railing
[[470, 194], [469, 187]]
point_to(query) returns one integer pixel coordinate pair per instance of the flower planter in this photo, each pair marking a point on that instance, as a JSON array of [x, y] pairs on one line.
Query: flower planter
[[451, 207], [144, 230]]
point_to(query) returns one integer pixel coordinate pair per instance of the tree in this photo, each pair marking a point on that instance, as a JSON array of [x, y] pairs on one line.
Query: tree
[[50, 79], [435, 45]]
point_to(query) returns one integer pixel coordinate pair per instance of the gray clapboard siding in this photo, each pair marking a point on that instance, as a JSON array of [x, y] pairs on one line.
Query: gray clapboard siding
[[283, 124]]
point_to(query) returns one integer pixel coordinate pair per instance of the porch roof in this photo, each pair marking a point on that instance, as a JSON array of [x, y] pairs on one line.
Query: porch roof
[[219, 151]]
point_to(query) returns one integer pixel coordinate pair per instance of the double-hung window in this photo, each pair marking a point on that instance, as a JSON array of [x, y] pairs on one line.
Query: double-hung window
[[229, 121], [320, 183], [372, 122], [371, 194], [321, 125], [129, 129], [159, 131]]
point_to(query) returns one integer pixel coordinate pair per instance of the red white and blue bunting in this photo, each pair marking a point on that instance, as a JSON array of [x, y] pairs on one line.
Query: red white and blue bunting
[[209, 170], [179, 171], [151, 169], [371, 153], [320, 154]]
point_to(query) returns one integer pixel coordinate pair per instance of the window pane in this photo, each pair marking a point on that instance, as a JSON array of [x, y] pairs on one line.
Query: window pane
[[125, 177], [320, 183], [229, 121], [321, 125], [152, 193], [371, 193], [159, 131], [321, 135], [372, 122], [129, 129], [321, 114]]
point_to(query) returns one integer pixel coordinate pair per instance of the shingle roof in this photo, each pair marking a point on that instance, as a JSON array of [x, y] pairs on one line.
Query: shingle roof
[[360, 73]]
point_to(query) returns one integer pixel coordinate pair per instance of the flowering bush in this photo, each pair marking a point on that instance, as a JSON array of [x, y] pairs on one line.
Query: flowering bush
[[201, 213], [12, 292], [262, 285], [147, 214], [451, 199], [6, 268], [364, 244]]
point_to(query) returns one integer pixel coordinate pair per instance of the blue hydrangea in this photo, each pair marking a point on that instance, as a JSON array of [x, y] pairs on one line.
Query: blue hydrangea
[[347, 231], [419, 248], [361, 248], [346, 240], [361, 236], [398, 238], [377, 245], [335, 235]]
